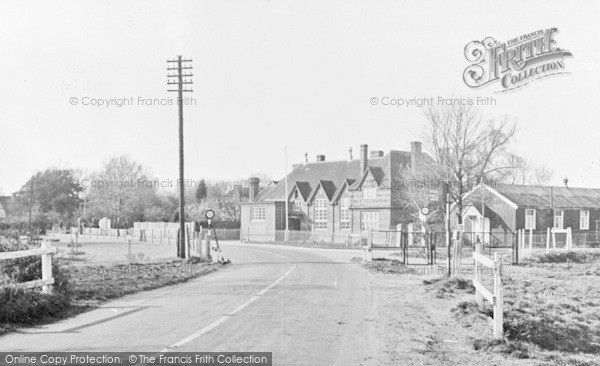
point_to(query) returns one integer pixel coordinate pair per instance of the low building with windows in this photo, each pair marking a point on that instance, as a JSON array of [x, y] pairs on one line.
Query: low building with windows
[[334, 198], [504, 209]]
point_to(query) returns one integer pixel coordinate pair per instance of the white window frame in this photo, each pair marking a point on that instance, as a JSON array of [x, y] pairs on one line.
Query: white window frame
[[320, 218], [562, 219], [369, 220], [584, 225], [297, 205], [369, 193], [258, 213], [530, 218], [345, 213]]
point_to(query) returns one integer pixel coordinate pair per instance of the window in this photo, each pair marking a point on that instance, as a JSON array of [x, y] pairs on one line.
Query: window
[[257, 214], [369, 193], [345, 213], [559, 219], [584, 220], [370, 221], [297, 205], [530, 219], [320, 214]]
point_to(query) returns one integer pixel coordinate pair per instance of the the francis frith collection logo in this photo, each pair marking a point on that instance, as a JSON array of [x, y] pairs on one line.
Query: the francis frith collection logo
[[514, 63]]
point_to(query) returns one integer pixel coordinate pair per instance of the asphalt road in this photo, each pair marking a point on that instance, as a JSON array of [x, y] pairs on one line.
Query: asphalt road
[[308, 307]]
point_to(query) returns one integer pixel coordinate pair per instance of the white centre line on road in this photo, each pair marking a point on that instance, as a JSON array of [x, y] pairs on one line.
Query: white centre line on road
[[224, 318]]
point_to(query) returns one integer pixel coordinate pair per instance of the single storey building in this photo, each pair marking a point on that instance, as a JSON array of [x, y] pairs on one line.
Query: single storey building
[[504, 209]]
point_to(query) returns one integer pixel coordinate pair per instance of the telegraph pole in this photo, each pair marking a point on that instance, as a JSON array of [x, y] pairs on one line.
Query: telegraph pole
[[180, 82]]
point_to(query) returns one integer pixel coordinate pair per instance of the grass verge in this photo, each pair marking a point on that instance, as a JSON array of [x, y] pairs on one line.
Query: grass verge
[[551, 311], [81, 288]]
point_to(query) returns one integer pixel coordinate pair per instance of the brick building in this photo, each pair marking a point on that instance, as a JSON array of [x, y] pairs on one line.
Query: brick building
[[335, 198]]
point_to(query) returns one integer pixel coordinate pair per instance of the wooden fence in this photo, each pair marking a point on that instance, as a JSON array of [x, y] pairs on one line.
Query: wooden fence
[[46, 252], [496, 298]]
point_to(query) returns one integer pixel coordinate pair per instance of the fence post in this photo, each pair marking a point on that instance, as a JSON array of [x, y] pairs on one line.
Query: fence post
[[187, 244], [168, 237], [548, 240], [368, 250], [499, 297], [478, 295], [205, 251], [46, 267], [553, 239], [530, 242]]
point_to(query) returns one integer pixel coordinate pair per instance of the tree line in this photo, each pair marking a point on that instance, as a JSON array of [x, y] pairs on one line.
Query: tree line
[[119, 191]]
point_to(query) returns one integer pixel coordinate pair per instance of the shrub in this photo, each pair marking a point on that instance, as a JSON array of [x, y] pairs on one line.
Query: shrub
[[571, 256]]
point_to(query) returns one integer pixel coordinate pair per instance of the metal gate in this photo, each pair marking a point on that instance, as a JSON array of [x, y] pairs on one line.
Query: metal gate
[[411, 247], [429, 248]]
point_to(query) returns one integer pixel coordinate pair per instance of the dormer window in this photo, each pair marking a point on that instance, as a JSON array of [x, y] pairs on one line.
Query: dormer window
[[297, 205]]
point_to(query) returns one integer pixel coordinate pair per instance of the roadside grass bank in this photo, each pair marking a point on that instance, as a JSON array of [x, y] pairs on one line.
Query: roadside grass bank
[[80, 286], [551, 311]]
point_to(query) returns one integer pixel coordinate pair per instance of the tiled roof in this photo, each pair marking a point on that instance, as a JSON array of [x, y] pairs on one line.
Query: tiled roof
[[327, 186], [311, 173], [340, 190], [304, 189], [265, 191], [541, 196], [337, 173]]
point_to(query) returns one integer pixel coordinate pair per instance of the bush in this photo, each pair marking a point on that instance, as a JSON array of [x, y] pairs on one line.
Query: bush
[[562, 257], [445, 285]]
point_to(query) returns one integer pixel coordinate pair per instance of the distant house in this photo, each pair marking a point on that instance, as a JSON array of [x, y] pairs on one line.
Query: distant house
[[504, 208], [334, 197]]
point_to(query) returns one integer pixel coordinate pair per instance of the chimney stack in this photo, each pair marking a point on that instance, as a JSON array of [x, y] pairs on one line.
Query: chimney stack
[[415, 155], [320, 158], [364, 158], [254, 187], [306, 157], [350, 150]]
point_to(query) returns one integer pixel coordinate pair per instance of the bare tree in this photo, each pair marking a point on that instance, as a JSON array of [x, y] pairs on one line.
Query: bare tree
[[121, 191], [518, 169], [466, 146], [542, 174]]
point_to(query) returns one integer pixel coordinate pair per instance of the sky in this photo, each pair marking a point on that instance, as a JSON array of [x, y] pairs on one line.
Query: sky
[[271, 74]]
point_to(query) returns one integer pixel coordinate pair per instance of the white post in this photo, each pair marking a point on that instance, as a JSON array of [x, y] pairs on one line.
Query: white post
[[205, 252], [368, 255], [152, 235], [46, 267], [129, 250], [548, 240], [569, 239], [478, 295], [498, 297], [530, 242], [553, 240]]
